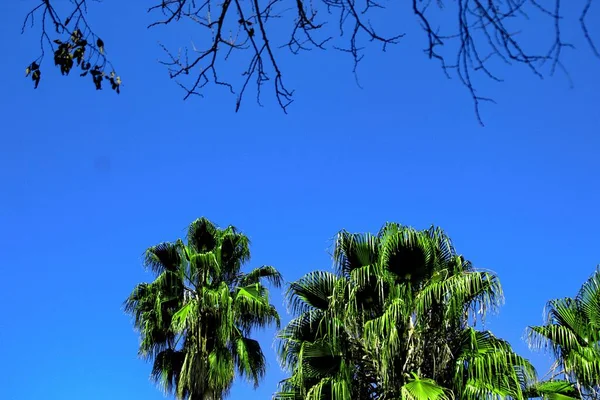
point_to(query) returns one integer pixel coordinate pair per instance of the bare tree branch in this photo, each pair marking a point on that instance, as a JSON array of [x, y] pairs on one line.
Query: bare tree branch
[[469, 38]]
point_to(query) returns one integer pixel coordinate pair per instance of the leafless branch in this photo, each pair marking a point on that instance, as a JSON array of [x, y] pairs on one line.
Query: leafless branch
[[480, 37]]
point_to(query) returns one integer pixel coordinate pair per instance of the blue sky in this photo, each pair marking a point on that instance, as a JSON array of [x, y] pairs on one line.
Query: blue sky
[[90, 179]]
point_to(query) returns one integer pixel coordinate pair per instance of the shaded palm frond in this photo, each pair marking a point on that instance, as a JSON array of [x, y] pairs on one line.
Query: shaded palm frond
[[166, 369], [162, 257], [354, 250], [313, 291]]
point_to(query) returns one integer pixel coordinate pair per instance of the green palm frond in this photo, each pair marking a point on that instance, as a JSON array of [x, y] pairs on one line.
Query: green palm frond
[[202, 236], [288, 390], [304, 328], [442, 243], [330, 388], [312, 291], [137, 302], [249, 359], [423, 389], [270, 274], [252, 309], [572, 333], [163, 257], [407, 253], [235, 248], [388, 328], [552, 390], [557, 338], [589, 300], [166, 369], [476, 291], [319, 358], [185, 317], [221, 370], [203, 267], [487, 366], [354, 250]]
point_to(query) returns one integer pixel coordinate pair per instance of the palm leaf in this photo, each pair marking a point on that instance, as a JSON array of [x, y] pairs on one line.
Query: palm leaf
[[312, 291], [163, 257], [249, 359], [256, 275], [423, 389], [166, 369], [552, 390], [202, 235], [354, 250]]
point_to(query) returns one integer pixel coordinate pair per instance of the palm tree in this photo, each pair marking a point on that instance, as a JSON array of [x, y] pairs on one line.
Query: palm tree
[[572, 335], [195, 319], [395, 321]]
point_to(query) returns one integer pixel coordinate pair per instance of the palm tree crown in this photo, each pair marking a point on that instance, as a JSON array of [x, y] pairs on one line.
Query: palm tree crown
[[395, 322], [195, 319]]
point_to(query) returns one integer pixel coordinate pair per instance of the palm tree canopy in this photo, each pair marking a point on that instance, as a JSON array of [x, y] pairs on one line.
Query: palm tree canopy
[[395, 322], [195, 319]]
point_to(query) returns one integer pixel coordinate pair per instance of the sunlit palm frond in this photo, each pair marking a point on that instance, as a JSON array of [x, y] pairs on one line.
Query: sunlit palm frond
[[571, 333], [203, 268], [249, 359], [387, 332], [476, 291], [221, 371], [588, 299], [442, 243], [252, 308], [266, 272], [488, 367], [337, 387], [418, 388], [552, 390]]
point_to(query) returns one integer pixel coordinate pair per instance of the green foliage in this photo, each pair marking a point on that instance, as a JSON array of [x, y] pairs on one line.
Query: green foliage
[[553, 390], [195, 319], [395, 322], [423, 389], [572, 335]]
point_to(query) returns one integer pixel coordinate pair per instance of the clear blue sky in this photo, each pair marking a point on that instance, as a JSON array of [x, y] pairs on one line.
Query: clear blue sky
[[89, 180]]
